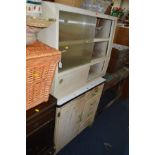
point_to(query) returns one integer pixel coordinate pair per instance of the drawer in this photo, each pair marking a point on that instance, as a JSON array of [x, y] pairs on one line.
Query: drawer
[[40, 115], [39, 121], [80, 98], [94, 92], [71, 81], [41, 140], [90, 108]]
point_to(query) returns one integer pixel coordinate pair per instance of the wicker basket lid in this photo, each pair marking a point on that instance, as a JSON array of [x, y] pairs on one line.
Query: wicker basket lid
[[38, 49]]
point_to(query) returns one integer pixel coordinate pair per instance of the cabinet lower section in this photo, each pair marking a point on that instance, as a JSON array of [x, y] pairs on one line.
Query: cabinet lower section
[[75, 116]]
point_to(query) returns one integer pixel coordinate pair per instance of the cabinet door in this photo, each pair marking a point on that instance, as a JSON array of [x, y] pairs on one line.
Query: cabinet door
[[68, 122], [71, 81]]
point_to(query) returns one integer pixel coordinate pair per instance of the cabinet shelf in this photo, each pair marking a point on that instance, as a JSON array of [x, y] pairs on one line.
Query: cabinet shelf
[[101, 39], [86, 41], [97, 60]]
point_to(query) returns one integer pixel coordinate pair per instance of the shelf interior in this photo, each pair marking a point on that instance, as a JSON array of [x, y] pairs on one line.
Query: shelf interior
[[103, 28], [95, 70], [100, 50]]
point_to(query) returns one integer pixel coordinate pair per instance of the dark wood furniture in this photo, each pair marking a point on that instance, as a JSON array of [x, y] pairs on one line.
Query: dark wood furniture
[[115, 87], [122, 35], [40, 122], [118, 59]]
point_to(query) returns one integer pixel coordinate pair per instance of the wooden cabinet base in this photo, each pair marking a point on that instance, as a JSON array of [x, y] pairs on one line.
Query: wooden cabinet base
[[75, 116]]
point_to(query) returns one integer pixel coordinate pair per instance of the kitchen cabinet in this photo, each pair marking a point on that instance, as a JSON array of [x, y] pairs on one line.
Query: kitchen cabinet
[[75, 116], [84, 38]]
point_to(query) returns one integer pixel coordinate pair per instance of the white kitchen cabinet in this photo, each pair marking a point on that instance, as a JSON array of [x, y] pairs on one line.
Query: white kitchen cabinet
[[75, 116], [84, 38]]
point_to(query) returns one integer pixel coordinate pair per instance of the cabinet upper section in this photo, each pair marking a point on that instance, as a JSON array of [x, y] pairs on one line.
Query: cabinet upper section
[[81, 35]]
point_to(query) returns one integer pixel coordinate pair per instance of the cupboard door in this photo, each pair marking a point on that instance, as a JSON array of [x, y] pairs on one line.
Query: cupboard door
[[68, 121], [62, 121], [71, 81]]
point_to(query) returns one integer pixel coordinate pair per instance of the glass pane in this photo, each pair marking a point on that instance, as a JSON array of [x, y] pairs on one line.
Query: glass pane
[[74, 26], [75, 55]]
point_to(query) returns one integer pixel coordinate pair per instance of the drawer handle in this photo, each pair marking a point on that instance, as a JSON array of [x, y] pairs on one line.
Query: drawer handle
[[96, 90], [61, 80], [93, 94], [37, 110]]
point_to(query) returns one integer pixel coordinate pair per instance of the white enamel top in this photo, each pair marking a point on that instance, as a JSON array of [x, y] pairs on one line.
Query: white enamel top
[[81, 90]]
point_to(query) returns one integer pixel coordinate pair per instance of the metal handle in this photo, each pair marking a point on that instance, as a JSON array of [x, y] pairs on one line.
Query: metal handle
[[60, 81], [93, 94]]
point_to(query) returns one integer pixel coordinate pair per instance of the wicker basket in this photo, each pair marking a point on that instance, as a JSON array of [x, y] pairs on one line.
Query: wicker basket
[[41, 62]]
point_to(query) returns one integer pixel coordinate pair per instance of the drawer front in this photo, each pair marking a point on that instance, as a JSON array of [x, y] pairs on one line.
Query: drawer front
[[70, 82], [39, 121], [94, 92], [41, 140], [81, 98], [92, 106]]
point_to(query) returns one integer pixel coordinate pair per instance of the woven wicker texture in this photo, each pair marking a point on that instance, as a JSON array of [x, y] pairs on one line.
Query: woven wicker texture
[[41, 62]]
